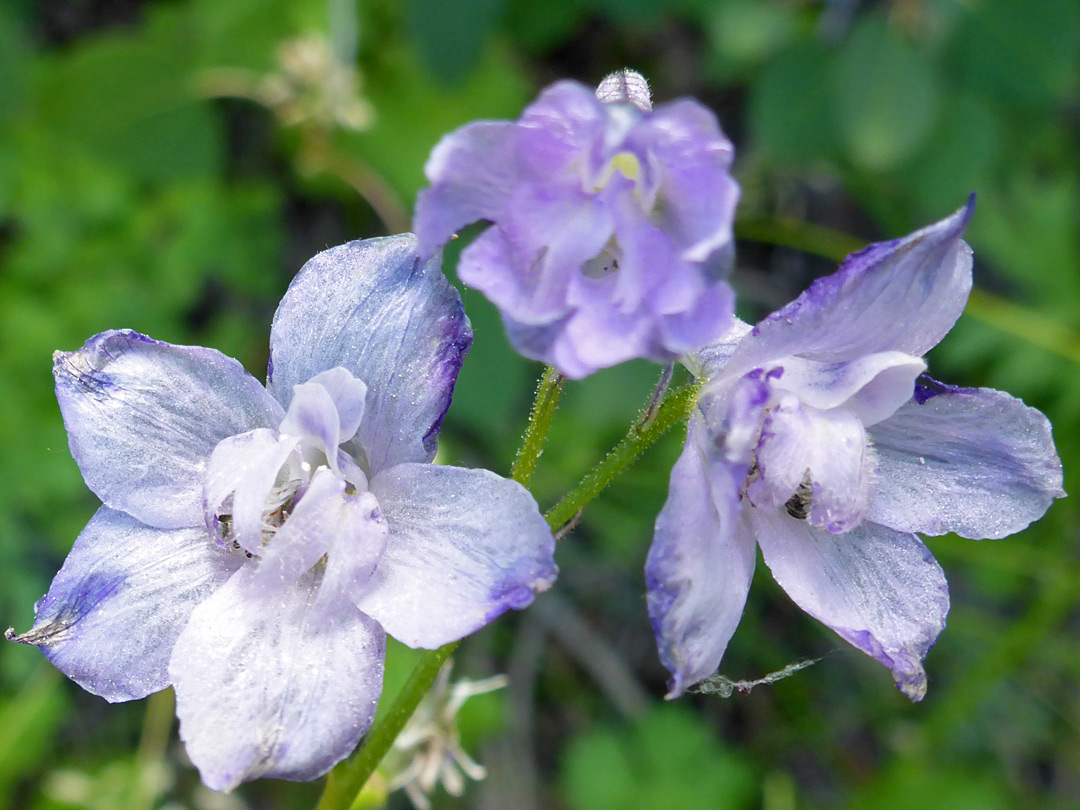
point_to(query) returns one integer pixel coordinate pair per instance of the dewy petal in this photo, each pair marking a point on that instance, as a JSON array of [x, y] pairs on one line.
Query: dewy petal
[[879, 589], [143, 418], [465, 546], [245, 468], [262, 690], [872, 387], [973, 461], [900, 296], [471, 171], [115, 609], [394, 322], [700, 564]]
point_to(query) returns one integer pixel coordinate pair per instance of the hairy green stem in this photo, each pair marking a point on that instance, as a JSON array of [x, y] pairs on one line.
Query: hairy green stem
[[543, 411], [676, 408], [348, 778]]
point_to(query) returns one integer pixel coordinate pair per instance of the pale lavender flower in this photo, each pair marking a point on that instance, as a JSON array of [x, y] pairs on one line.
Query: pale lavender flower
[[256, 544], [612, 223], [818, 439]]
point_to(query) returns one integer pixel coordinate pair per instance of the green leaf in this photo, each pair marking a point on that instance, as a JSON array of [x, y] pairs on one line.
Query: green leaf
[[886, 96]]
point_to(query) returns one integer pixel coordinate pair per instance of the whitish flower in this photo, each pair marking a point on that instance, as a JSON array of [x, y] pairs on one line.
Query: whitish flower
[[256, 544], [817, 440], [611, 221]]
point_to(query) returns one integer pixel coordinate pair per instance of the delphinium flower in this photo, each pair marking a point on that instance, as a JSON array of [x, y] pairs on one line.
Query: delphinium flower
[[611, 228], [256, 544], [818, 438]]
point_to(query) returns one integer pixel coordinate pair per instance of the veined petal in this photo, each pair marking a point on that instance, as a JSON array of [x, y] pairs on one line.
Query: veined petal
[[872, 387], [262, 690], [143, 418], [117, 606], [394, 322], [879, 589], [973, 461], [699, 565], [465, 546], [471, 171], [903, 295]]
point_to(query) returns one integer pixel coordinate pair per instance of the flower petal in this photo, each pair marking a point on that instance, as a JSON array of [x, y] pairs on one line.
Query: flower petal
[[115, 609], [699, 194], [471, 171], [973, 461], [346, 527], [903, 295], [699, 566], [394, 322], [239, 478], [879, 589], [465, 546], [143, 418], [827, 450], [261, 690], [872, 387]]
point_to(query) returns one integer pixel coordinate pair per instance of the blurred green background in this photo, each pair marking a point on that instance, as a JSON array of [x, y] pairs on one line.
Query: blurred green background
[[168, 166]]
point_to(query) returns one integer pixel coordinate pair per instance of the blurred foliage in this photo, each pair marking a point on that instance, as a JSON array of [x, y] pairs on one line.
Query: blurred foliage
[[128, 198]]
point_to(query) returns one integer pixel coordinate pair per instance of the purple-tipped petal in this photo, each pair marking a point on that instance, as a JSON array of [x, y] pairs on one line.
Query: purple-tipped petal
[[465, 546], [903, 295], [394, 322], [116, 608], [143, 418], [700, 564], [471, 171], [879, 589], [973, 461], [263, 690]]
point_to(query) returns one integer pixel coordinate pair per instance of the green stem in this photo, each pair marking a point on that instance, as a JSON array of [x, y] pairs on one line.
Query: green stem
[[532, 444], [676, 408], [348, 778], [1035, 328]]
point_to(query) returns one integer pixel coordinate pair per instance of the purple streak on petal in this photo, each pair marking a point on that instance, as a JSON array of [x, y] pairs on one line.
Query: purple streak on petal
[[879, 589], [144, 416], [700, 563], [394, 322], [464, 547], [926, 388], [973, 461], [293, 696], [902, 296], [115, 609]]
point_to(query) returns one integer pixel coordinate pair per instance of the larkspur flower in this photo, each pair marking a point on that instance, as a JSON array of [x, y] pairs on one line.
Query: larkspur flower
[[611, 228], [256, 544], [818, 438]]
